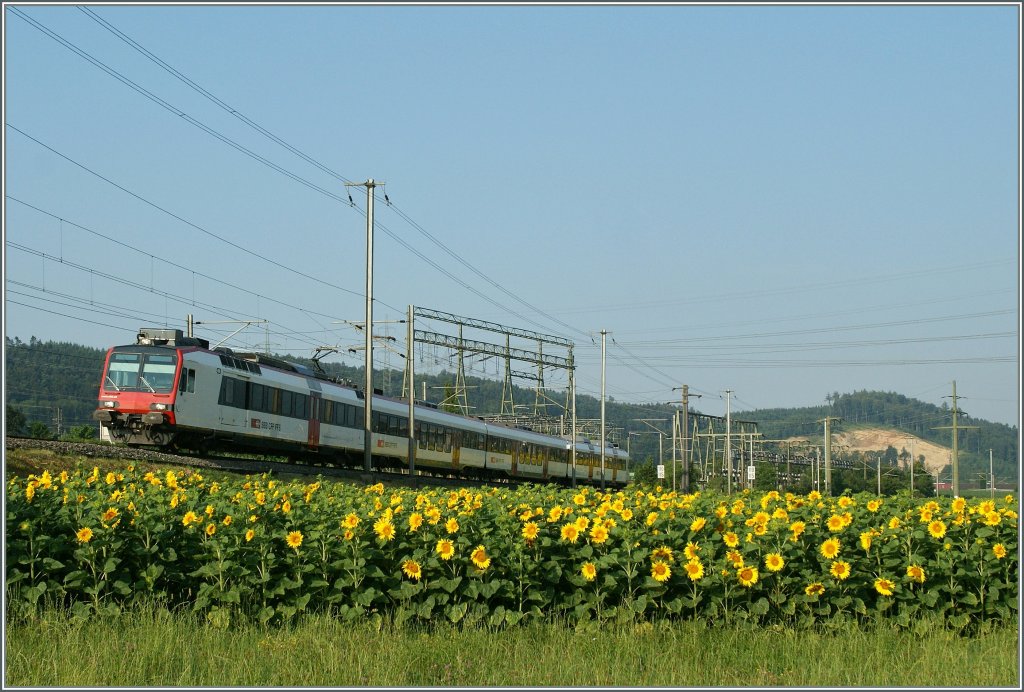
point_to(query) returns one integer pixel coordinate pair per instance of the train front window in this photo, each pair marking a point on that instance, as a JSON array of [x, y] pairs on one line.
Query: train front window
[[141, 372], [158, 373]]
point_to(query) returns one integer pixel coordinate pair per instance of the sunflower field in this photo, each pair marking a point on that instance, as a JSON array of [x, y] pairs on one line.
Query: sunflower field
[[262, 549]]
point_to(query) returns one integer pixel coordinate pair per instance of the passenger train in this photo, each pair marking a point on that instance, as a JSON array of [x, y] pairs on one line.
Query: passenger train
[[170, 390]]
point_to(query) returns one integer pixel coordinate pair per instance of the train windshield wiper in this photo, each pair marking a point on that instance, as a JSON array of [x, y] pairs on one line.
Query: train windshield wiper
[[113, 383], [147, 384]]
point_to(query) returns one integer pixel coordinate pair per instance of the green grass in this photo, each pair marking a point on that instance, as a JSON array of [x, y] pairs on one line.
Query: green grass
[[156, 648]]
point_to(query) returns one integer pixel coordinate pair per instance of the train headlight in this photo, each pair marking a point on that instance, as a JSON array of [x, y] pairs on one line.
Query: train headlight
[[159, 407], [108, 404]]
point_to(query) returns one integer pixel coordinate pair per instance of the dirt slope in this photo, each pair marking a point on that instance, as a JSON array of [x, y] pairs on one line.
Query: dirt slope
[[876, 439]]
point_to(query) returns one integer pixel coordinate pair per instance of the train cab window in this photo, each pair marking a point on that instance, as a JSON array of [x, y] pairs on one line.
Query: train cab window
[[187, 381]]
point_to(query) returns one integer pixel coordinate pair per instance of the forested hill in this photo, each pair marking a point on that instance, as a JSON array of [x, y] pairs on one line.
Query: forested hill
[[54, 385], [894, 411]]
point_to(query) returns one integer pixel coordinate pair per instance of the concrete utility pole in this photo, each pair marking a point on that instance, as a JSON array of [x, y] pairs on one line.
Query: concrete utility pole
[[368, 383], [728, 440], [572, 395], [604, 333], [828, 454], [686, 435], [411, 363], [956, 452], [991, 477]]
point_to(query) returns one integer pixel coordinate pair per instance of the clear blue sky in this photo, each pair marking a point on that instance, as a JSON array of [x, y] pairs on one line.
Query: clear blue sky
[[782, 201]]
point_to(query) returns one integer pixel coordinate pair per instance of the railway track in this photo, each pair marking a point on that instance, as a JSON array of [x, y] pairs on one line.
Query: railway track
[[244, 465]]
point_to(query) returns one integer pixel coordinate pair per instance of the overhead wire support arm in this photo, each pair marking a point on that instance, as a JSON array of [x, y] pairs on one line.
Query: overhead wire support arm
[[490, 349], [491, 326]]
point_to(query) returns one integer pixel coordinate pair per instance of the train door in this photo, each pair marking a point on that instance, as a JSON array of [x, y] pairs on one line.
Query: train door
[[315, 403]]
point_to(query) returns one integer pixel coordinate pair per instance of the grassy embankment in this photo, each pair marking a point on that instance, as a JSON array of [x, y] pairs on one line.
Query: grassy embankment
[[159, 648]]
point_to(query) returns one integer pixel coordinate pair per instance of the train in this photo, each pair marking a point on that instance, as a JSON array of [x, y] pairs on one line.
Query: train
[[173, 391]]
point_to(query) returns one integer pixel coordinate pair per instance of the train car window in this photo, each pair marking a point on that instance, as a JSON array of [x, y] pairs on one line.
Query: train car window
[[257, 394], [232, 393], [448, 440], [225, 361], [327, 411], [286, 403], [275, 401], [403, 427], [393, 425], [301, 406]]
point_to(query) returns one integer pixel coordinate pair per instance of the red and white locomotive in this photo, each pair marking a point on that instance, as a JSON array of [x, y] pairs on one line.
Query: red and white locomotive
[[171, 390]]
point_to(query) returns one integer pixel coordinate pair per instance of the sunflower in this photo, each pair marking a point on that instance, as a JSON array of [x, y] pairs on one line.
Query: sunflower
[[797, 527], [959, 505], [651, 518], [384, 529], [691, 550], [598, 534], [626, 514], [190, 518], [582, 523], [873, 505], [589, 571], [570, 532], [840, 570], [884, 586], [415, 521], [865, 540], [84, 534], [211, 529], [999, 550], [451, 526], [835, 523], [735, 558], [660, 571], [830, 548], [227, 520], [530, 531], [731, 539], [663, 553], [697, 524], [894, 523], [109, 514], [915, 573], [286, 507], [992, 518], [479, 558], [937, 529], [747, 576], [774, 562], [815, 589], [294, 539], [249, 535], [412, 569], [694, 570]]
